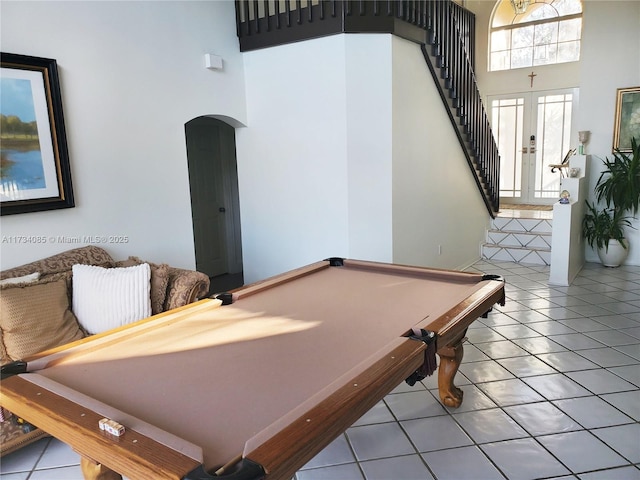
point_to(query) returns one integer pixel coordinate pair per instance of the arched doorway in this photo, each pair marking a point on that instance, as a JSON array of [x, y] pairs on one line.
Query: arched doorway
[[215, 205]]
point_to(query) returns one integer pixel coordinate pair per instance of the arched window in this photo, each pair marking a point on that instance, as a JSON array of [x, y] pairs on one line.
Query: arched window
[[548, 32]]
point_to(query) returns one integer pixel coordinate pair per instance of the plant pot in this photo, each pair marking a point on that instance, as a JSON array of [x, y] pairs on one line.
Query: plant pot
[[614, 256]]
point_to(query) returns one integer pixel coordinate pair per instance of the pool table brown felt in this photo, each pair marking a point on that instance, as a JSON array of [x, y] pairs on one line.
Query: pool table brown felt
[[276, 375]]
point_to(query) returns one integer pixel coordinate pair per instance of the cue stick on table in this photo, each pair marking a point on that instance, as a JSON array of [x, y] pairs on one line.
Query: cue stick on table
[[228, 465]]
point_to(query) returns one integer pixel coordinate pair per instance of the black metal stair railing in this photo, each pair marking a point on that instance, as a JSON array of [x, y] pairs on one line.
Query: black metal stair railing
[[445, 31], [450, 59]]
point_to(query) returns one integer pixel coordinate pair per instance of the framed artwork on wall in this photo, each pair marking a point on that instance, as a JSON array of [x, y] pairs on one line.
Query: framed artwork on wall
[[34, 160], [627, 124]]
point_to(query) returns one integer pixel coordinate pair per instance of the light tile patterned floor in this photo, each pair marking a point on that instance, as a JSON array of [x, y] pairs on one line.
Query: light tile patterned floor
[[552, 391]]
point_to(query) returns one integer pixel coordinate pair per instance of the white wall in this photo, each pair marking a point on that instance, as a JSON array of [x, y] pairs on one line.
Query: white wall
[[132, 74], [292, 170], [352, 155], [610, 60], [369, 146], [439, 218]]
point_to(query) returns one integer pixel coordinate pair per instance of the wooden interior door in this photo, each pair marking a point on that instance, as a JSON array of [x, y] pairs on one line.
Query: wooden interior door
[[214, 196]]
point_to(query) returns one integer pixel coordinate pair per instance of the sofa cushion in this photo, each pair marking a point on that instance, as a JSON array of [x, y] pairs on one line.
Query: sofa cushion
[[106, 298], [34, 317], [159, 281]]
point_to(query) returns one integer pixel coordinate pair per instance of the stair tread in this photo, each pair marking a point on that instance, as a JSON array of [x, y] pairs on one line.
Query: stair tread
[[520, 232], [515, 247]]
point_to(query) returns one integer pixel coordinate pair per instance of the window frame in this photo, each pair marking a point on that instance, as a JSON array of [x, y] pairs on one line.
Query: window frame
[[515, 25]]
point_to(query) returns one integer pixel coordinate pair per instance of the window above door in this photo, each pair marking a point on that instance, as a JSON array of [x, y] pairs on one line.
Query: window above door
[[548, 32]]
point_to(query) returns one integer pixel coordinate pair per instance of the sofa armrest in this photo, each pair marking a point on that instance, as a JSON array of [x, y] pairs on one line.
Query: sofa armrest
[[185, 286]]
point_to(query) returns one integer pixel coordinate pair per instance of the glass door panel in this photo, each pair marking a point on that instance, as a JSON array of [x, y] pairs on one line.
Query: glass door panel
[[532, 131], [508, 126], [553, 134]]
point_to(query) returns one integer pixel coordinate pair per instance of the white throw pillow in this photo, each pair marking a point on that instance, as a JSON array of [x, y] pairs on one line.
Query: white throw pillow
[[106, 298]]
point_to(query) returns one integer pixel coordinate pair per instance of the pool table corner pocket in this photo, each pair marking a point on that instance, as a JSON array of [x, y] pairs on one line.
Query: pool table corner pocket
[[245, 470]]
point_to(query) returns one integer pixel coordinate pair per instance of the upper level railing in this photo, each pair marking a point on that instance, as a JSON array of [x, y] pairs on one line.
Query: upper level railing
[[265, 23], [443, 28]]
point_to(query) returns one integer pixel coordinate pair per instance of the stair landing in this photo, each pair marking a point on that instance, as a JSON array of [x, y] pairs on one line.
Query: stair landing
[[542, 212]]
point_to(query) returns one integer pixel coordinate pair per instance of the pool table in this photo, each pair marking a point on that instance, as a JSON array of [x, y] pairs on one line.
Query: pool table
[[254, 383]]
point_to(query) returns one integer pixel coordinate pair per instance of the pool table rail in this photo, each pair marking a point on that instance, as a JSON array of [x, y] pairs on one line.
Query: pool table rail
[[319, 426], [135, 455], [476, 305]]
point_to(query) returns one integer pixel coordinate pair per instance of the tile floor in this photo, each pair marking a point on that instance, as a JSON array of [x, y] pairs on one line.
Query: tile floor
[[552, 391]]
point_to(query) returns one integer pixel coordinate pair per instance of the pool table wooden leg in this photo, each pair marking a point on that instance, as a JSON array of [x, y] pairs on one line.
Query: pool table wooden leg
[[450, 358], [96, 471]]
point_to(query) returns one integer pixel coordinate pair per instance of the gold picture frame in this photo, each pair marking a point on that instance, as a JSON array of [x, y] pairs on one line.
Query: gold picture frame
[[627, 120]]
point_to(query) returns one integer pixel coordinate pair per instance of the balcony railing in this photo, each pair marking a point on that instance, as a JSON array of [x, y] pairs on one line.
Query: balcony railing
[[266, 23], [445, 31]]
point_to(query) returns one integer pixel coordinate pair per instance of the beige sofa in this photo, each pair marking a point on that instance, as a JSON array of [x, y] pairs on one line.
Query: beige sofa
[[37, 315]]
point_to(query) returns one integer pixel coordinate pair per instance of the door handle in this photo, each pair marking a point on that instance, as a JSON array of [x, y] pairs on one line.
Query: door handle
[[222, 209]]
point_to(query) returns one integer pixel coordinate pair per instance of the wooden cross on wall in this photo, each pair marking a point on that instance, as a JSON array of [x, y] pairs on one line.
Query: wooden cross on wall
[[531, 75]]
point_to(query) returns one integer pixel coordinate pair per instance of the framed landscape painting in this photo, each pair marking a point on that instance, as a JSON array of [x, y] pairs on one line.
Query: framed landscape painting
[[627, 123], [34, 160]]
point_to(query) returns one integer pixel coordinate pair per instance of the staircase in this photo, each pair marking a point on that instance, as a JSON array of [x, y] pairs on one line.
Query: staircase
[[513, 238]]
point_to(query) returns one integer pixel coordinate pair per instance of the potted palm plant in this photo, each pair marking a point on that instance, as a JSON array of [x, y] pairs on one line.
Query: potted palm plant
[[604, 230], [618, 187]]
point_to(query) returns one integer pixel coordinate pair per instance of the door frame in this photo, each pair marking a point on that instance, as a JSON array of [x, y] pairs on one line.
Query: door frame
[[230, 191], [528, 160]]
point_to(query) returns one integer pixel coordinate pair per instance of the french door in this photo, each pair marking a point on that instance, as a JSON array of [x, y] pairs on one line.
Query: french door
[[532, 130]]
